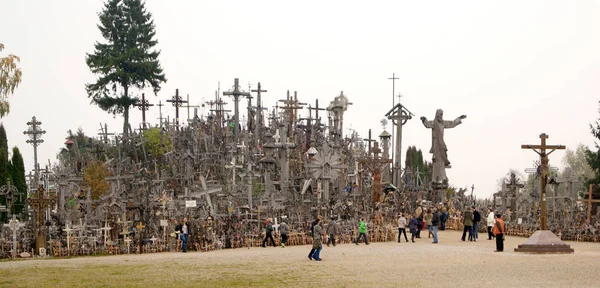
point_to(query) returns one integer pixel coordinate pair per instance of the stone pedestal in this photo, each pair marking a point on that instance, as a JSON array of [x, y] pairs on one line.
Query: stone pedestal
[[544, 242]]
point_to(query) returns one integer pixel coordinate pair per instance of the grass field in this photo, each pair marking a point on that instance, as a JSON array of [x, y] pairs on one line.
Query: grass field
[[452, 263]]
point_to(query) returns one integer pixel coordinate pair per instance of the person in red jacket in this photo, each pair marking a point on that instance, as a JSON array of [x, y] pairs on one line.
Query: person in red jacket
[[499, 230]]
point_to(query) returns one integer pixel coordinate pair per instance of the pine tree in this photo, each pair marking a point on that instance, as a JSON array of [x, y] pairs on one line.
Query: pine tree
[[593, 158], [127, 60], [3, 140], [17, 173]]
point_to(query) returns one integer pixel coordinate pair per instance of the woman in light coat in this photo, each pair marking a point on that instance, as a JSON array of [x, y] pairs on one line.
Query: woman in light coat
[[490, 223]]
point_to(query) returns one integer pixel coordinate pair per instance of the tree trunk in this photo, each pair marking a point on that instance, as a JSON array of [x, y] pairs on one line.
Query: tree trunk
[[125, 110]]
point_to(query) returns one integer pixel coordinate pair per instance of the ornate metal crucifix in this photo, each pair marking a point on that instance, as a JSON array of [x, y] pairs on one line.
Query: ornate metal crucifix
[[143, 105]]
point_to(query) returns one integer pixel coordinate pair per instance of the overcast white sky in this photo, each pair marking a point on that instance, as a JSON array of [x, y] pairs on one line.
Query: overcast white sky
[[515, 68]]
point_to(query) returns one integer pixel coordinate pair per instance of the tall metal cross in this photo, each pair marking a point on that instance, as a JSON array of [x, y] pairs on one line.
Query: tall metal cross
[[34, 132], [541, 150], [143, 105], [177, 101], [236, 93]]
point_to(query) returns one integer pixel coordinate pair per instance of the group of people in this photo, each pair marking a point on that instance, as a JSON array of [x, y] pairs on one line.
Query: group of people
[[495, 226], [432, 219]]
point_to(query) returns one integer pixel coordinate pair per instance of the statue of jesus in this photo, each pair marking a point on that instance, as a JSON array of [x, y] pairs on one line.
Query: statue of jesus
[[438, 146]]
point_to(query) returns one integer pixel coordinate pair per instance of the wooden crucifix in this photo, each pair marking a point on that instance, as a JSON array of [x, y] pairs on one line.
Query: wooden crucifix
[[143, 105], [541, 150], [40, 203], [589, 203], [177, 101], [140, 229], [376, 165]]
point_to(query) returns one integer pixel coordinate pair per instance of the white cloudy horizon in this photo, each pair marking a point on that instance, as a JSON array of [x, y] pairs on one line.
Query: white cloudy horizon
[[515, 68]]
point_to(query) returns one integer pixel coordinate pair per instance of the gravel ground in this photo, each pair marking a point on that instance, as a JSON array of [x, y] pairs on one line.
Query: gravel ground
[[451, 263]]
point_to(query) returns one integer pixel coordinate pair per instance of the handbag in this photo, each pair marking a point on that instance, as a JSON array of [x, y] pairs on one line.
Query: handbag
[[500, 229]]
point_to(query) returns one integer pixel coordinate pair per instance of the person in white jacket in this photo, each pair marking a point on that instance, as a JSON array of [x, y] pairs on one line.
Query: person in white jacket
[[490, 223]]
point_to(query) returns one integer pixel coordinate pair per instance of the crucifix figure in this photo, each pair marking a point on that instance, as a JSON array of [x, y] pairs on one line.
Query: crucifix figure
[[177, 101], [541, 150], [40, 203], [438, 146], [143, 105]]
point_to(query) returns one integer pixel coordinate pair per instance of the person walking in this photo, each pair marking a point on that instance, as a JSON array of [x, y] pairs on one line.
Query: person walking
[[317, 232], [283, 229], [413, 224], [476, 220], [332, 230], [428, 216], [362, 231], [268, 234], [435, 222], [183, 234], [490, 223], [444, 218], [419, 216], [499, 230], [402, 228], [468, 223]]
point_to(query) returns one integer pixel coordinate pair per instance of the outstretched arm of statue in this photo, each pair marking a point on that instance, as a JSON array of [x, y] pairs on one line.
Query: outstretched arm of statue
[[452, 124], [426, 123]]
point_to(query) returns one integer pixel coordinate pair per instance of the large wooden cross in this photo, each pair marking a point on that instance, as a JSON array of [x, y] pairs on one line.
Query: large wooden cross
[[236, 93], [259, 109], [370, 140], [589, 203], [188, 106], [292, 105], [160, 118], [541, 150], [104, 133], [376, 165], [143, 105], [40, 203], [177, 101], [140, 229], [317, 109]]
